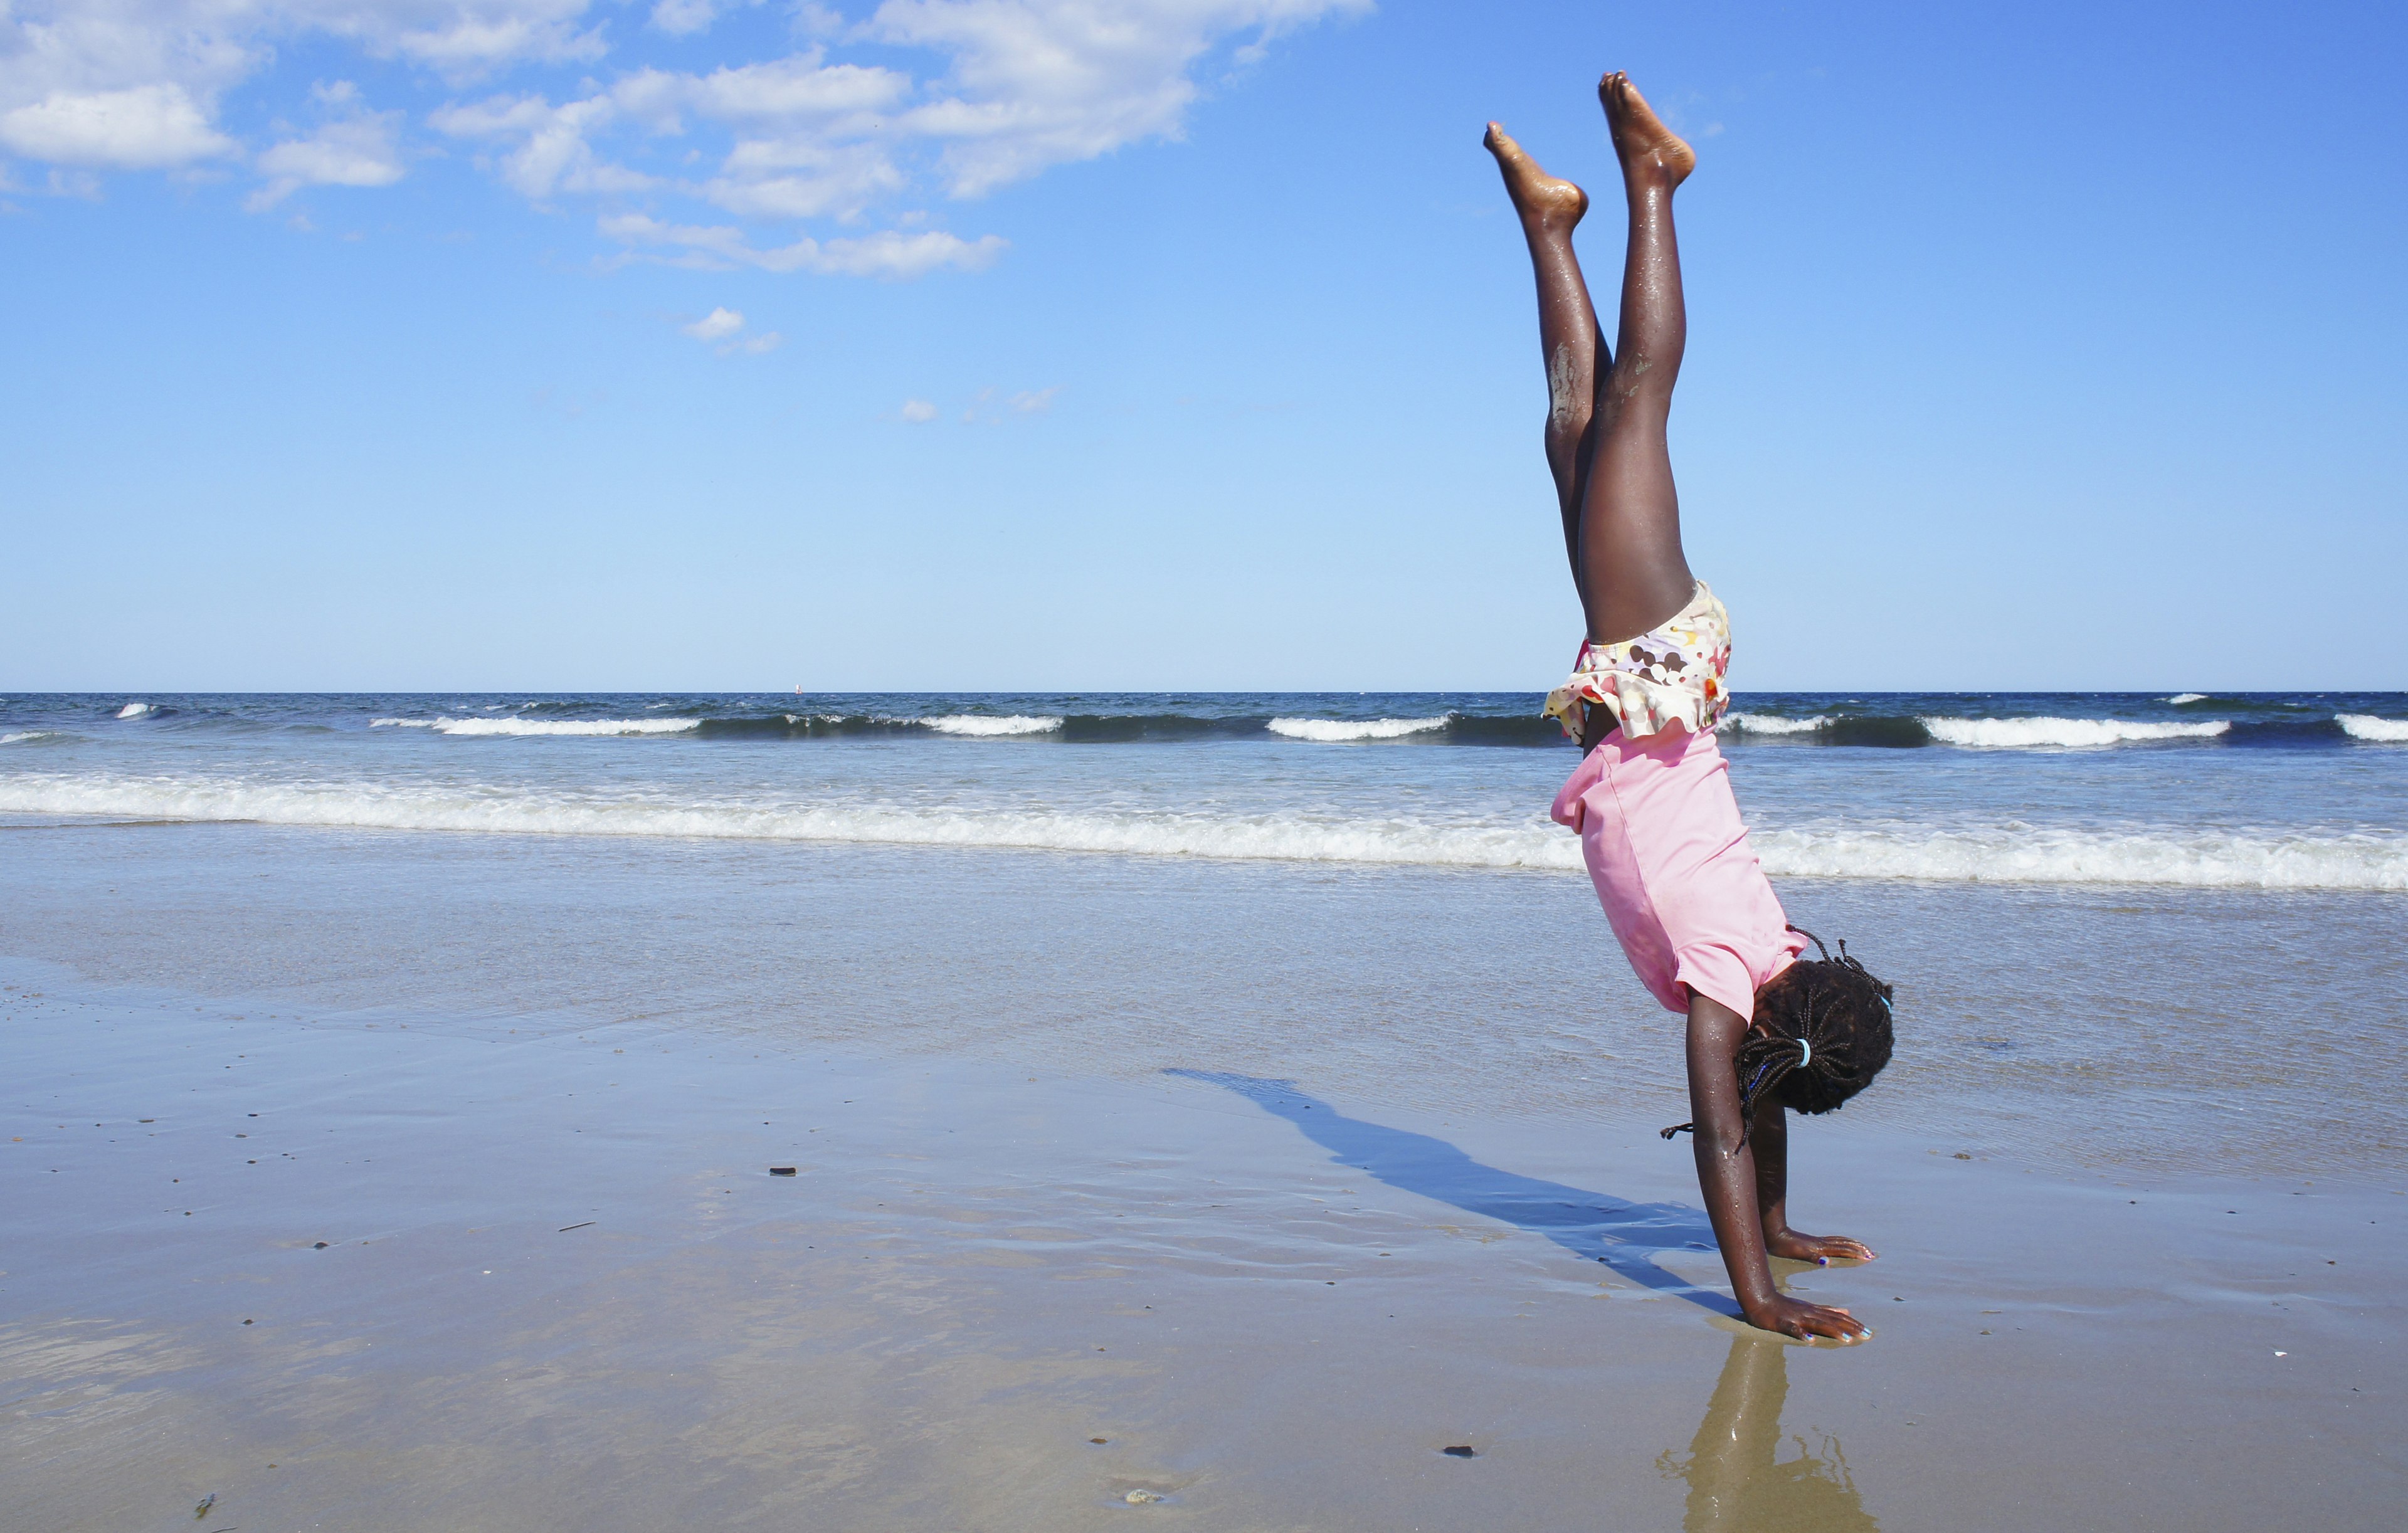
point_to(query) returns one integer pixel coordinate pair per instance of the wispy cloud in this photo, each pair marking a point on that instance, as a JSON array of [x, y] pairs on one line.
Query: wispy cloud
[[353, 147], [918, 412], [993, 405], [722, 246], [724, 326], [951, 99], [716, 326]]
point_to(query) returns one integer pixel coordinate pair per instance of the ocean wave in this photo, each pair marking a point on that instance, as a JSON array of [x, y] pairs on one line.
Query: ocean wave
[[26, 737], [2242, 860], [1772, 724], [2366, 727], [2179, 698], [133, 710], [2008, 734], [541, 727], [985, 725], [1333, 731]]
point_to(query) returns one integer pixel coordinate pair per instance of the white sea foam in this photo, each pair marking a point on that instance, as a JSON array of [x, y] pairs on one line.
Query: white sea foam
[[2366, 727], [2270, 860], [24, 736], [986, 725], [1772, 724], [542, 726], [1336, 731], [1533, 843], [2007, 734], [133, 710], [2181, 698], [2188, 860]]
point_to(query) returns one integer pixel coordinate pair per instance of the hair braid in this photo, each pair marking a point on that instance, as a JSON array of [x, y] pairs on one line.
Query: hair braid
[[1820, 1035]]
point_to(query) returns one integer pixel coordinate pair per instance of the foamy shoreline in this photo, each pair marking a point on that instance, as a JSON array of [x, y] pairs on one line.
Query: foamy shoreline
[[2267, 859]]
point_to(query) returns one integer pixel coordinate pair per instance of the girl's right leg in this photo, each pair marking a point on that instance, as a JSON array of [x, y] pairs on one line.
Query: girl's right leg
[[1633, 576]]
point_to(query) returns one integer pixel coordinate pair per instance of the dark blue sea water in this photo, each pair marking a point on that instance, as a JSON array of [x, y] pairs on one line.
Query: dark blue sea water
[[2265, 791]]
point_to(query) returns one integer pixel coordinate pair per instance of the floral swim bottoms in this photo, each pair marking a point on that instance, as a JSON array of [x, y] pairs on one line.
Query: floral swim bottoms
[[1672, 674]]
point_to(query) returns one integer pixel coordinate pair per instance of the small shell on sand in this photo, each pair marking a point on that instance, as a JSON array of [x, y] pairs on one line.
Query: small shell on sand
[[1142, 1497]]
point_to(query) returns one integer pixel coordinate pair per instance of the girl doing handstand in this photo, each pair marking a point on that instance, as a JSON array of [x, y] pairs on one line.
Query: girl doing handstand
[[1651, 799]]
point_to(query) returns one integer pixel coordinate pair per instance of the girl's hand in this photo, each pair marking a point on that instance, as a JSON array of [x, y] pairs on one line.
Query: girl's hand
[[1822, 1250], [1791, 1317]]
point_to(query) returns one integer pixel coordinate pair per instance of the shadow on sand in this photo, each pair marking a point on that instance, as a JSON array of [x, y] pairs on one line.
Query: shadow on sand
[[1625, 1237]]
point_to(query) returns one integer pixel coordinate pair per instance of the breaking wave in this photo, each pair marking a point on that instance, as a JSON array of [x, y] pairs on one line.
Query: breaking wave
[[1335, 731], [542, 726], [25, 737], [2366, 727], [1772, 724], [2260, 860], [2008, 734], [2179, 698], [986, 725], [133, 710]]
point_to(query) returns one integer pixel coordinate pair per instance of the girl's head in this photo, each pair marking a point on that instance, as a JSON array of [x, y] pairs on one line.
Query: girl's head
[[1821, 1033]]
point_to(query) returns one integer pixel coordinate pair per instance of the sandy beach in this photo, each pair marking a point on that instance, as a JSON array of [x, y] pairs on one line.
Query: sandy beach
[[514, 1265]]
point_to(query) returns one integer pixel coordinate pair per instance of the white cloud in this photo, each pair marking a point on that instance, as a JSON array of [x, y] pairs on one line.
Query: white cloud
[[723, 325], [551, 154], [147, 127], [1033, 401], [680, 16], [918, 410], [720, 247], [1035, 83], [715, 325], [355, 147], [964, 96]]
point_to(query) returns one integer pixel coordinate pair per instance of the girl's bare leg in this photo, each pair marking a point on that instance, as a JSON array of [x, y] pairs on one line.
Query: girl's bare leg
[[1632, 572], [1568, 339]]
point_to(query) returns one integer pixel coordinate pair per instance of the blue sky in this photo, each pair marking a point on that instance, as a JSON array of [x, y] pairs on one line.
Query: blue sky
[[1157, 344]]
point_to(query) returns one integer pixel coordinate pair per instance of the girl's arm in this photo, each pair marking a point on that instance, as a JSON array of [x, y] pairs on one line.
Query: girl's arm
[[1727, 1177]]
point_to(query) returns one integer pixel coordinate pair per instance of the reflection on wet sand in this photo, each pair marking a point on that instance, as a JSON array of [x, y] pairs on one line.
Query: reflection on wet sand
[[1735, 1479]]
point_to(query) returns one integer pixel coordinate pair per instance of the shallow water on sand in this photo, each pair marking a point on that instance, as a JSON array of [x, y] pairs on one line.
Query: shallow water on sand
[[2171, 1033]]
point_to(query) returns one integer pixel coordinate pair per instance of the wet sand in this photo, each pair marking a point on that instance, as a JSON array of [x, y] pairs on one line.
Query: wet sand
[[558, 1288]]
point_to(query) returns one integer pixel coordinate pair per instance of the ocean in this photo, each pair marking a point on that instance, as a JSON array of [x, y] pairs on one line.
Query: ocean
[[2156, 931], [2256, 791]]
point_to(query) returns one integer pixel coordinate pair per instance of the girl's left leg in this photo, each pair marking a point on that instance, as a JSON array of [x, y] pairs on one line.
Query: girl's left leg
[[1550, 208]]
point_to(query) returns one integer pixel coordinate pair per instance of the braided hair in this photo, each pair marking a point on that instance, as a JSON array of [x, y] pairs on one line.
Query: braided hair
[[1821, 1033]]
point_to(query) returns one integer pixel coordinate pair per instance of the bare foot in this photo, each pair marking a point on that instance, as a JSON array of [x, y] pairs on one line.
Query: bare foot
[[1822, 1250], [1643, 143], [1551, 201]]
